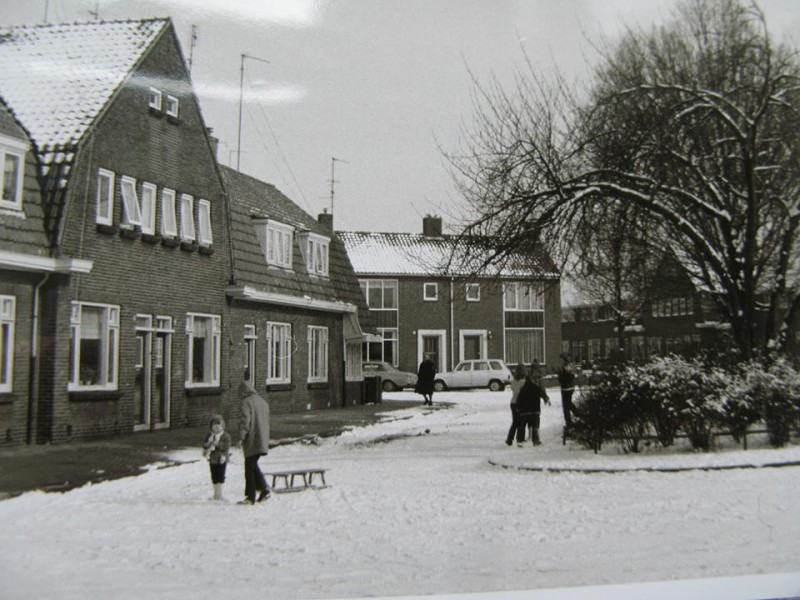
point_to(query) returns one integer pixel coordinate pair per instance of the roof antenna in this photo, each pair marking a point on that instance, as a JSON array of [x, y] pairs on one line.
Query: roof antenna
[[192, 44], [241, 97], [334, 160], [96, 12]]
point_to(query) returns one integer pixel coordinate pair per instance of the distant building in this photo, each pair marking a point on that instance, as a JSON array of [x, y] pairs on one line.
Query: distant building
[[423, 302]]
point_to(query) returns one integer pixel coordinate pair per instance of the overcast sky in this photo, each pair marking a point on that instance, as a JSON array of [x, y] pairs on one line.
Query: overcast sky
[[375, 83]]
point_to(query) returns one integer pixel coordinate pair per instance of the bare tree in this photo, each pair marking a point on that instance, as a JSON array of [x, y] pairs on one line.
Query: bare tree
[[694, 124]]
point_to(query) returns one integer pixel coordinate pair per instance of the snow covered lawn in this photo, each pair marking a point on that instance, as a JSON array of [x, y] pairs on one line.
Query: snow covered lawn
[[431, 501]]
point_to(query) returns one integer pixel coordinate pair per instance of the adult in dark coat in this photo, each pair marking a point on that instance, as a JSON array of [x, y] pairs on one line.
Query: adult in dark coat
[[529, 406], [254, 436], [425, 376], [566, 379]]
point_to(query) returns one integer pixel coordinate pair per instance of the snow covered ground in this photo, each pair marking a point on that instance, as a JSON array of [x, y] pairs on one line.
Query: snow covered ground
[[430, 501]]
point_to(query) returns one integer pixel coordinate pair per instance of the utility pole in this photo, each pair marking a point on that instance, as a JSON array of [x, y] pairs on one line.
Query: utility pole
[[241, 96], [334, 160], [192, 44]]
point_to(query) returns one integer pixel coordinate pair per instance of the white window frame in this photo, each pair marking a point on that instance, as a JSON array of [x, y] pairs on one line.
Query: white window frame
[[8, 311], [105, 192], [109, 347], [316, 252], [318, 353], [148, 206], [277, 241], [520, 296], [211, 357], [169, 218], [204, 237], [131, 211], [369, 286], [250, 343], [173, 105], [154, 99], [427, 294], [279, 364], [187, 218], [472, 292], [10, 147]]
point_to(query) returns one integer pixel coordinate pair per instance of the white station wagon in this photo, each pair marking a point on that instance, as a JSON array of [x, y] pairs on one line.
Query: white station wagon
[[490, 373]]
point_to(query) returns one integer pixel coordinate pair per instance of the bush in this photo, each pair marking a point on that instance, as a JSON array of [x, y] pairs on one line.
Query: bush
[[593, 423], [775, 391]]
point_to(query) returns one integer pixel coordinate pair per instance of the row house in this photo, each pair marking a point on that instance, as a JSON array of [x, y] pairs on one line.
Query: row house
[[295, 303], [119, 291], [423, 303]]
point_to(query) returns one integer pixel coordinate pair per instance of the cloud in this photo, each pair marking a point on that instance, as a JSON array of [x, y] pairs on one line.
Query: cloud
[[293, 13]]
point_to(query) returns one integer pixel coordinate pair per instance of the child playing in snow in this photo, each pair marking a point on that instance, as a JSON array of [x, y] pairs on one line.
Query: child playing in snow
[[217, 449]]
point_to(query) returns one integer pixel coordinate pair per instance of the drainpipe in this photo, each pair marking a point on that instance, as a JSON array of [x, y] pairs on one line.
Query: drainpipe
[[452, 330], [33, 371]]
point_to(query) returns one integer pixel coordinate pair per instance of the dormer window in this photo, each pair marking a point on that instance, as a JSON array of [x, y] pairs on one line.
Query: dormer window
[[154, 99], [172, 106], [276, 242], [12, 159], [315, 252]]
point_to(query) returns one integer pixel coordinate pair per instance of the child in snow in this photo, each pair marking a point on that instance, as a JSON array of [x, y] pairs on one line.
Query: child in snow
[[217, 449]]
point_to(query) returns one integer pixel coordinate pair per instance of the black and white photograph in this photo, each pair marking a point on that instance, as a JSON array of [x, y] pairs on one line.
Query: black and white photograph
[[400, 299]]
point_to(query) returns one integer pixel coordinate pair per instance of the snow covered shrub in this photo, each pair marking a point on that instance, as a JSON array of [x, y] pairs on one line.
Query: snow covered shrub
[[636, 407], [740, 407], [775, 391], [595, 412]]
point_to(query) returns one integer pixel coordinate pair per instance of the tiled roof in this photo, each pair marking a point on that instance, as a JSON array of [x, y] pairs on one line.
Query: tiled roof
[[58, 78], [397, 254], [251, 199]]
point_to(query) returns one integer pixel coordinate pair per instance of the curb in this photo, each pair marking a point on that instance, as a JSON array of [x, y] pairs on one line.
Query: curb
[[591, 471]]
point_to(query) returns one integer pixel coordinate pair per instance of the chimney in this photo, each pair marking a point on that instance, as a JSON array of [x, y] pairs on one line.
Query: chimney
[[214, 142], [326, 219], [432, 226]]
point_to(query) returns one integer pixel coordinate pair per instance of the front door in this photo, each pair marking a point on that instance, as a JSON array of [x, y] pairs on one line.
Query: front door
[[152, 372], [431, 344]]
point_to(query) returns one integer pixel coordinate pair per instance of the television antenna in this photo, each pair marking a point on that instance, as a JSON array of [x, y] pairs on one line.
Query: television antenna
[[241, 95], [334, 160]]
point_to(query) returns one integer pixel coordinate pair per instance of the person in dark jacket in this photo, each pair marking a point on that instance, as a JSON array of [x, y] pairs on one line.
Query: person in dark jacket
[[566, 379], [217, 449], [254, 436], [529, 406], [425, 376], [517, 426]]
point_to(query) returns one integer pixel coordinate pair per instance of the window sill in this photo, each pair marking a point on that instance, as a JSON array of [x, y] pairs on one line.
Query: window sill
[[169, 242], [149, 238], [107, 229], [317, 385], [193, 392], [94, 395], [173, 120], [8, 397], [206, 250], [128, 234], [154, 112], [188, 246], [279, 387]]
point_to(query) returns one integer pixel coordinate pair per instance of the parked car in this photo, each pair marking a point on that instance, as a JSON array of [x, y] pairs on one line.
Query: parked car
[[392, 378], [490, 373]]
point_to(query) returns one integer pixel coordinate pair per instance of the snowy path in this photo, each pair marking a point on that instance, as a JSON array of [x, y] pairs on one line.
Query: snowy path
[[408, 512]]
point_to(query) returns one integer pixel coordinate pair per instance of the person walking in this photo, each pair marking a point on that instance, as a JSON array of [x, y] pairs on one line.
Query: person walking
[[217, 449], [517, 427], [529, 403], [254, 437], [566, 380], [425, 376]]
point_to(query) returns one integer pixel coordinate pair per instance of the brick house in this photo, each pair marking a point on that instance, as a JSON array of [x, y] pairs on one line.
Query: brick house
[[422, 302], [134, 238], [294, 302]]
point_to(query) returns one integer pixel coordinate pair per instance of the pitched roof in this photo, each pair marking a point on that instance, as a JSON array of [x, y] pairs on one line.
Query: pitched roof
[[58, 78], [398, 254], [252, 200]]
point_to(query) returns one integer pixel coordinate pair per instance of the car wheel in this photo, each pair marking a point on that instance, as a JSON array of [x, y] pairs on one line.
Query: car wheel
[[495, 385], [439, 386], [388, 386]]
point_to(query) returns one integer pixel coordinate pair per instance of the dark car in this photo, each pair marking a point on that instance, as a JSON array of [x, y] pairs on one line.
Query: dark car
[[392, 378]]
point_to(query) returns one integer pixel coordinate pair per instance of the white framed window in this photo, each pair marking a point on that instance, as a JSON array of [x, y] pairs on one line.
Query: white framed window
[[105, 197], [524, 346], [279, 353], [172, 106], [317, 354], [169, 222], [149, 194], [204, 333], [12, 159], [315, 252], [430, 291], [385, 349], [523, 296], [250, 339], [381, 294], [7, 320], [276, 242], [472, 291], [131, 212], [154, 99], [204, 223], [95, 346], [187, 218]]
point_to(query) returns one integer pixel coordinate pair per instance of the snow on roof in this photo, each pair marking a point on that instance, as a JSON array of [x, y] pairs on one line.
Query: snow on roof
[[57, 78], [418, 254]]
